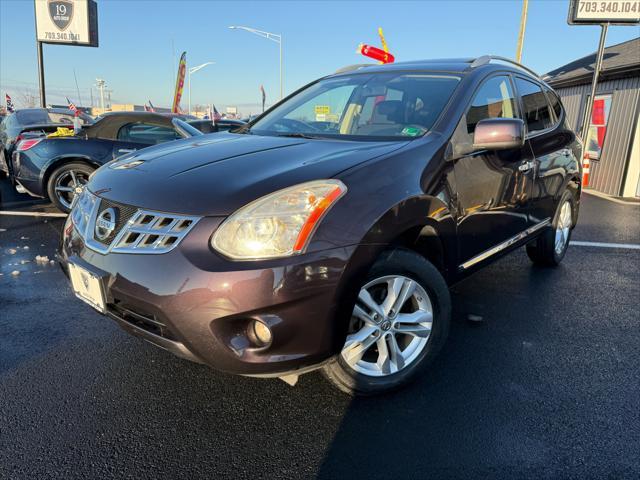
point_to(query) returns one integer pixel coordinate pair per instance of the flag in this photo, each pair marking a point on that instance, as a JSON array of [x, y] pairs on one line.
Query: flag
[[264, 96], [182, 70], [151, 108], [216, 114], [71, 106], [7, 99]]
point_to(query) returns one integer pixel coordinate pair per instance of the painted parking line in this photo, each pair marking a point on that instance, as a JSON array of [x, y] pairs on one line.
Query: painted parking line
[[32, 214], [628, 246]]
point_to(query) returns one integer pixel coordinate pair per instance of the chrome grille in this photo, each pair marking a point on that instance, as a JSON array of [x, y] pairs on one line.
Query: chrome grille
[[152, 232], [136, 230], [125, 213]]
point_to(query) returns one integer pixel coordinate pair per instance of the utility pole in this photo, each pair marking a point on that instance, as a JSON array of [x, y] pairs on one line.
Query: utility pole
[[77, 87], [274, 37], [523, 26], [586, 121], [100, 84], [43, 97]]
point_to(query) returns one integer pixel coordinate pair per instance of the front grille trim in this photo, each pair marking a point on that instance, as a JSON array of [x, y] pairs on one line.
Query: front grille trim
[[125, 213], [161, 234]]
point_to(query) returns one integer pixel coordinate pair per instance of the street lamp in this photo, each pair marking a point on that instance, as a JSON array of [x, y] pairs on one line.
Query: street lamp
[[274, 37], [194, 70]]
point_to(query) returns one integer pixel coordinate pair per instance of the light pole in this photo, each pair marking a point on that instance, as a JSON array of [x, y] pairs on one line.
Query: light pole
[[274, 37], [194, 70], [523, 26]]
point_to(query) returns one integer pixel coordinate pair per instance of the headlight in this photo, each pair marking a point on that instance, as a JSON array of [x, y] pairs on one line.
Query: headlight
[[279, 224]]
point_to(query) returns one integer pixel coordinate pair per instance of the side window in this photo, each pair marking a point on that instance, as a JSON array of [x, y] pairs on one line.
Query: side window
[[537, 112], [494, 99], [556, 105], [146, 134]]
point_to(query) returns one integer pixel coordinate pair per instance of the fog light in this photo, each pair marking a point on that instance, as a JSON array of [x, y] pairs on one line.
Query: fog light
[[260, 333]]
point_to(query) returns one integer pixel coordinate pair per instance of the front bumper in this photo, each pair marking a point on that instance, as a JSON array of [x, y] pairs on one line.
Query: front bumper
[[198, 305]]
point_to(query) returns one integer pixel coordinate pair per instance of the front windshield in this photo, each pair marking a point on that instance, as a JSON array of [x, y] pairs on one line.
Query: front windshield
[[381, 105]]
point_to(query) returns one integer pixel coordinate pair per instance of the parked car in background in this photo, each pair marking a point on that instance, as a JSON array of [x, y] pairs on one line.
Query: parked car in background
[[205, 125], [58, 167], [328, 240], [222, 125], [35, 120]]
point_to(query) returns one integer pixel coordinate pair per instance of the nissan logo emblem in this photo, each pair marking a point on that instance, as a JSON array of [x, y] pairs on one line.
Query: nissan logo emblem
[[105, 223]]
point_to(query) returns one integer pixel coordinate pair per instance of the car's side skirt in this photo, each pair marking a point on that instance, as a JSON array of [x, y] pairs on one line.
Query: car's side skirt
[[504, 245]]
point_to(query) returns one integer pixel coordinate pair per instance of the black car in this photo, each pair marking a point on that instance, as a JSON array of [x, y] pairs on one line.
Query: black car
[[326, 238], [58, 167], [42, 120]]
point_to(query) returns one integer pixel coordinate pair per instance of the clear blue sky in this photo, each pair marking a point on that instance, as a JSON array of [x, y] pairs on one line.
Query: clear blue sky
[[136, 57]]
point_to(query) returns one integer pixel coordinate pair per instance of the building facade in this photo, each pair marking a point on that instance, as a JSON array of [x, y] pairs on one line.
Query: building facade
[[612, 142]]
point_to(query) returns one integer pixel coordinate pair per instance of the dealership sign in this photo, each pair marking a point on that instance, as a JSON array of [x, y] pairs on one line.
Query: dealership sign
[[71, 22], [614, 12]]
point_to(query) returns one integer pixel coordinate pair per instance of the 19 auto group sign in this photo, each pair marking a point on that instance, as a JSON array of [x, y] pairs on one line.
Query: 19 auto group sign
[[72, 22]]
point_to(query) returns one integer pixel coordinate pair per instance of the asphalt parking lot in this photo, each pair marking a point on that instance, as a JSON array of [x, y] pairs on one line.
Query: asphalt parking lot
[[546, 386]]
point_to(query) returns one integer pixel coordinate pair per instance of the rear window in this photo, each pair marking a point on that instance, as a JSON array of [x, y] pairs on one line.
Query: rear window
[[45, 117], [537, 112]]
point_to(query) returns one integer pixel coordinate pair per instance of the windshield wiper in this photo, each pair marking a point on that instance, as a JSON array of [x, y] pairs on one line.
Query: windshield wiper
[[299, 135]]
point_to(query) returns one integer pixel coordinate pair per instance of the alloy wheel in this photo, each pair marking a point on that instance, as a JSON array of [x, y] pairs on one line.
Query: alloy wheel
[[68, 185], [565, 221], [390, 326]]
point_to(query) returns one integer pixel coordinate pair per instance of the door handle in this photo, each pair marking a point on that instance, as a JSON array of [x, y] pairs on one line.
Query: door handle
[[126, 150]]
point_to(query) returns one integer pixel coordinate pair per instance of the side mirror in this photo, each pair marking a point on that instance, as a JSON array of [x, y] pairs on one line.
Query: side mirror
[[498, 134]]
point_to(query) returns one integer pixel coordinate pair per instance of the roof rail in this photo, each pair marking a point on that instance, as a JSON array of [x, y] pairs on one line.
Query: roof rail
[[487, 59], [357, 66]]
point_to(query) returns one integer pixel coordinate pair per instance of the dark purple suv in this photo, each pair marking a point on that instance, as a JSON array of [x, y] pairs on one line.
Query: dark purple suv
[[325, 233]]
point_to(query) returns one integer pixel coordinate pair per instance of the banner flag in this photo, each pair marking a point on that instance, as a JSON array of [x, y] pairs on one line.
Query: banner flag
[[182, 70]]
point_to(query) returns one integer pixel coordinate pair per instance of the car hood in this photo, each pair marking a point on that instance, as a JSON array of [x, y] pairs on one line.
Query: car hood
[[219, 173]]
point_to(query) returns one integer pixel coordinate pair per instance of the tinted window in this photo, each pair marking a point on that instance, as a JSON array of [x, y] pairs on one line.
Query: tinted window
[[40, 116], [537, 113], [495, 99], [375, 105], [556, 106], [146, 134]]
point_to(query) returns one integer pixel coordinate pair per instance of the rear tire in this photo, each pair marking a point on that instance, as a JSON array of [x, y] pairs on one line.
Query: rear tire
[[399, 323], [66, 182], [550, 247]]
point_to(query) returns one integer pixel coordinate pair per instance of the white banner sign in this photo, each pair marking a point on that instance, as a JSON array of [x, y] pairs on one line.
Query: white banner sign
[[67, 21], [604, 11]]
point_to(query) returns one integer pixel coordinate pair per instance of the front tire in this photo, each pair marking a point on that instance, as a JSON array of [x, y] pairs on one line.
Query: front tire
[[66, 182], [399, 323], [549, 248]]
